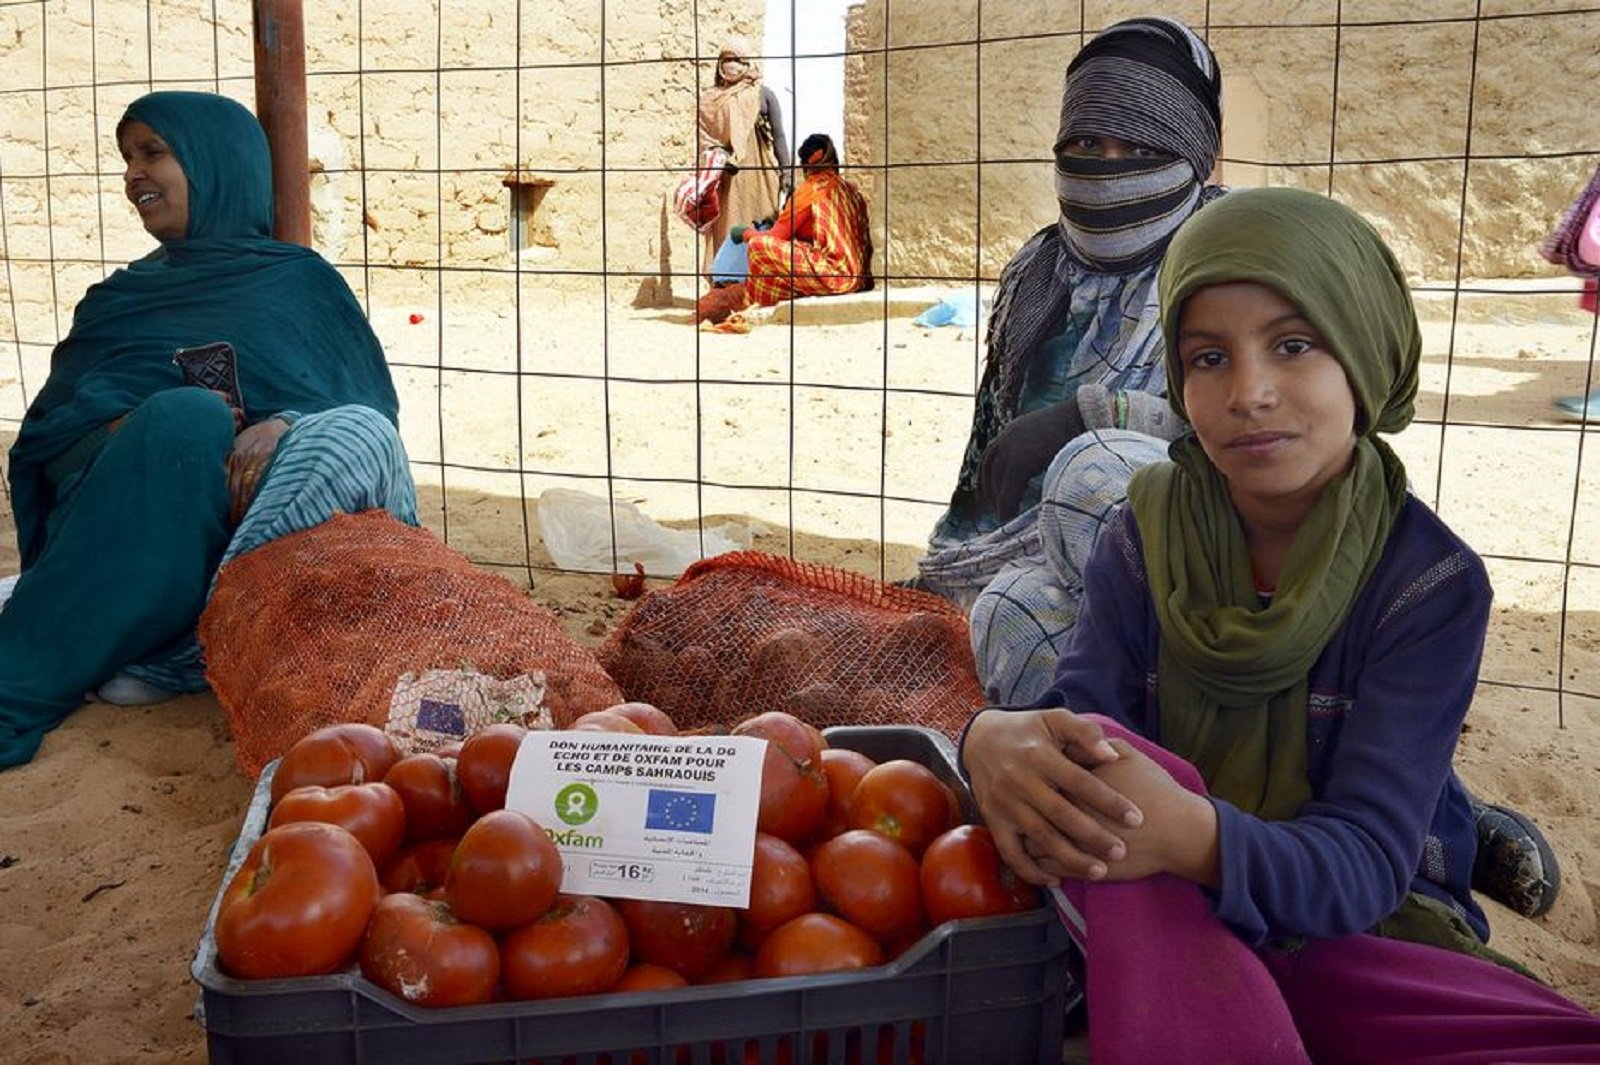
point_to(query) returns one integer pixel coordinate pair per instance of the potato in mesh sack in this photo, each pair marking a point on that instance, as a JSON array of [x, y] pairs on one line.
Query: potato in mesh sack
[[318, 626], [744, 633]]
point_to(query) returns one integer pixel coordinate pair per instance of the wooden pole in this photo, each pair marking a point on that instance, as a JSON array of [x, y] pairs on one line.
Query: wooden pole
[[280, 37]]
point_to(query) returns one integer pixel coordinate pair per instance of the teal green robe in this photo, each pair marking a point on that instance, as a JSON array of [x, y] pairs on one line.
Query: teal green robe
[[82, 611]]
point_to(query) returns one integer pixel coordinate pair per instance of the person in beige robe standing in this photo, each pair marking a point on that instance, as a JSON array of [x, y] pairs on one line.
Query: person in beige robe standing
[[743, 116]]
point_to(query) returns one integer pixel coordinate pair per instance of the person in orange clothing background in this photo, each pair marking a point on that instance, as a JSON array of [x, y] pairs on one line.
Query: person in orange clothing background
[[818, 246]]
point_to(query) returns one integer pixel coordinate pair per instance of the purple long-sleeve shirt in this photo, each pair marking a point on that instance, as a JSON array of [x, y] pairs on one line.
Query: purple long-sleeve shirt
[[1387, 699]]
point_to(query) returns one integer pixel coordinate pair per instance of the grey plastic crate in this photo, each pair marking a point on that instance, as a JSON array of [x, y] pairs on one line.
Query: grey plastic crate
[[993, 990]]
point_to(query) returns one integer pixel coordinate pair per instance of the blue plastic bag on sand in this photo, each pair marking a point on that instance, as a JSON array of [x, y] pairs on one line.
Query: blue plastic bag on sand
[[959, 310], [731, 263]]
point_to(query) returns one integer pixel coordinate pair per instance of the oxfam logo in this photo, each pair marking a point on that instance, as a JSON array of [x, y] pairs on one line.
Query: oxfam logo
[[576, 803]]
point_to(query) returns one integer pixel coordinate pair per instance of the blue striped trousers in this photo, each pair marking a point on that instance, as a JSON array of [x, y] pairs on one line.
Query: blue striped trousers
[[337, 461]]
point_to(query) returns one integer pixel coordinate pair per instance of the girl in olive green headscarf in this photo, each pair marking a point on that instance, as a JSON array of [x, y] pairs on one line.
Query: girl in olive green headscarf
[[1284, 643]]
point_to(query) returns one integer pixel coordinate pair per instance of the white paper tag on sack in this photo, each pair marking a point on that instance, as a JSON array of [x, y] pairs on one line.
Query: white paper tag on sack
[[444, 706], [671, 818]]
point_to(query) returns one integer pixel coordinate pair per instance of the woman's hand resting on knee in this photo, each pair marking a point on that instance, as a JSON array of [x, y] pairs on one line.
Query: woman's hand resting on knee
[[247, 463], [1049, 814]]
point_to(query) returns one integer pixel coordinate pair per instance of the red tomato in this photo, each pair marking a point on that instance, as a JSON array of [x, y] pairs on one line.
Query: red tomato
[[629, 585], [816, 734], [871, 881], [844, 769], [435, 805], [903, 800], [893, 948], [731, 968], [484, 764], [603, 721], [651, 719], [579, 946], [816, 943], [962, 876], [782, 1052], [886, 1040], [780, 889], [822, 1052], [683, 937], [298, 904], [794, 790], [647, 977], [338, 754], [373, 813], [421, 869], [505, 871], [419, 950]]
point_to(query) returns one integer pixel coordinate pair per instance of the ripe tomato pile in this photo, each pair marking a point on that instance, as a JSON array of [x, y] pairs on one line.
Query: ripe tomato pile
[[412, 867]]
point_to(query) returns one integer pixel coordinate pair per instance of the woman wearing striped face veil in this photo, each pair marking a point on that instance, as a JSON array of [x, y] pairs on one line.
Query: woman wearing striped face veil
[[1140, 131], [1074, 344]]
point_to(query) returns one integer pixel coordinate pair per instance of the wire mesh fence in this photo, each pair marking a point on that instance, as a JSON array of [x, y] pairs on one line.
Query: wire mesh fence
[[494, 179]]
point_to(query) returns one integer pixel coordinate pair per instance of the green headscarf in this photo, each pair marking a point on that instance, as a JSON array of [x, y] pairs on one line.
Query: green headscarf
[[1231, 673], [302, 340]]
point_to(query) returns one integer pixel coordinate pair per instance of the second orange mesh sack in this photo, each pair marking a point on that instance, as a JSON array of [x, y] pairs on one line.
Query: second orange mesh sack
[[747, 632], [317, 627]]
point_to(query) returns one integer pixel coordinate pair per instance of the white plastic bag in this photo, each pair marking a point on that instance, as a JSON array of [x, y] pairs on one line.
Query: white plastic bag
[[576, 527]]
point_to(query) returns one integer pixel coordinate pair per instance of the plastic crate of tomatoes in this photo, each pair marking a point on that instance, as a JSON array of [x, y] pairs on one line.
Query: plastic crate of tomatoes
[[988, 989]]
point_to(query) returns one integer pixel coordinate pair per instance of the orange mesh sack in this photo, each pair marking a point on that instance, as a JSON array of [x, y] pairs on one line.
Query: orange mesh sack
[[744, 633], [319, 626]]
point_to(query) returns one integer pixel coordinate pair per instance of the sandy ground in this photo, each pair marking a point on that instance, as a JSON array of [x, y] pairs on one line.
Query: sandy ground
[[113, 840]]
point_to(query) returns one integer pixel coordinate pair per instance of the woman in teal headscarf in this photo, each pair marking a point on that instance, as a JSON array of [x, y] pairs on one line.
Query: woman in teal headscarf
[[131, 487]]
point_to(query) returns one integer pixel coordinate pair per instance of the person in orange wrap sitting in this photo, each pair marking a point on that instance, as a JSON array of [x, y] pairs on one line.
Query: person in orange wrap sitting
[[819, 245]]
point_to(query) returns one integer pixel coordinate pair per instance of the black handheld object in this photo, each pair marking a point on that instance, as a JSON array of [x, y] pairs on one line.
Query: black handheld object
[[214, 366]]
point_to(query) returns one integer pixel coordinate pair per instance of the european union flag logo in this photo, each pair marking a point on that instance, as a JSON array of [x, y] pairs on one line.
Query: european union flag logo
[[680, 811], [441, 717]]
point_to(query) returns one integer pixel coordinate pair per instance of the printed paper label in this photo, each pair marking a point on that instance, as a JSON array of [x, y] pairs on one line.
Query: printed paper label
[[447, 705], [671, 818]]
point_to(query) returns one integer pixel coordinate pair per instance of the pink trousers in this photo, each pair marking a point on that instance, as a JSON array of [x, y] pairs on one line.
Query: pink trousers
[[1168, 982]]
